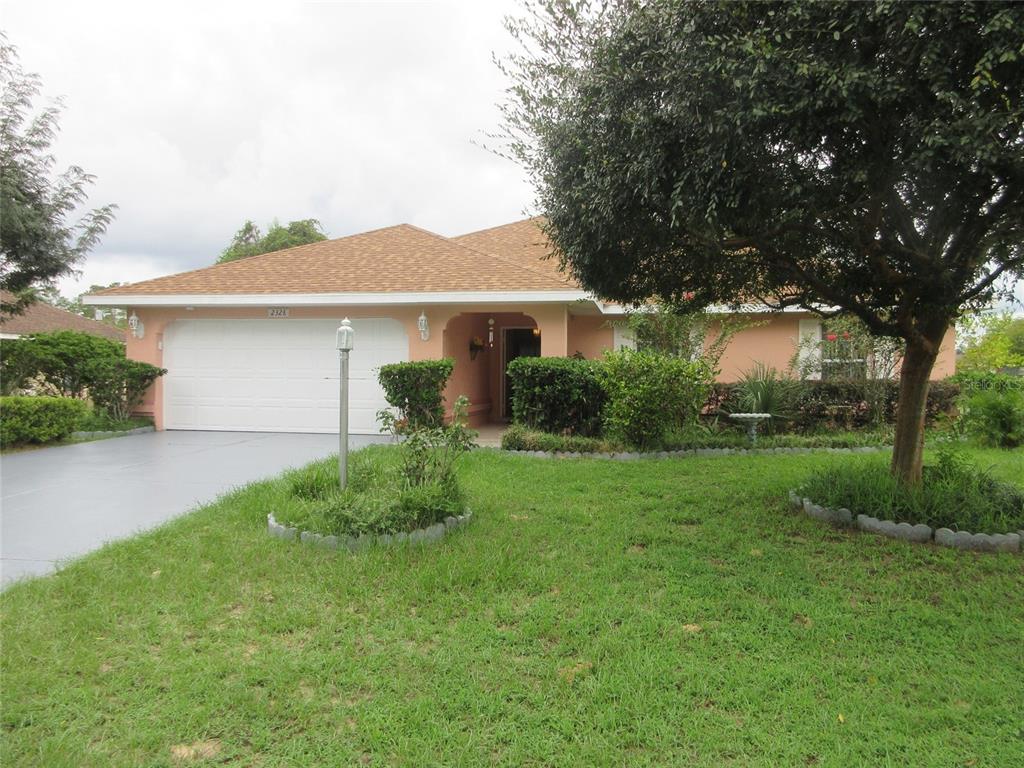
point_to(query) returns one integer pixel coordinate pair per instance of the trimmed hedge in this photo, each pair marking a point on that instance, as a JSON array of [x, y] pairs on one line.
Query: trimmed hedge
[[38, 419], [650, 394], [557, 394], [416, 389], [841, 404]]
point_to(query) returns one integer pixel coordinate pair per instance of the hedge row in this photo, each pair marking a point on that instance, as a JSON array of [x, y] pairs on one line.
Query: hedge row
[[841, 404], [571, 396], [78, 365], [38, 419], [635, 397]]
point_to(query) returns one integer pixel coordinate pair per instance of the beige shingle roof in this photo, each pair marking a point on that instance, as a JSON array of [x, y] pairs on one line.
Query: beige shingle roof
[[41, 317], [402, 258], [522, 243]]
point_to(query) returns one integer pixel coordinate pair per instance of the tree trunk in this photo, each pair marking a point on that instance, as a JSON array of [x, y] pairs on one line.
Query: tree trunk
[[908, 445]]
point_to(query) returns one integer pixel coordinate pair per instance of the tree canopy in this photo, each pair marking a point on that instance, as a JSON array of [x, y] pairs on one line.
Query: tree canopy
[[41, 238], [999, 345], [859, 158], [249, 241]]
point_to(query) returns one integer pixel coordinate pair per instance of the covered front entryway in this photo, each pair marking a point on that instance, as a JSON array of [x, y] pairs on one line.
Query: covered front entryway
[[274, 375], [482, 344]]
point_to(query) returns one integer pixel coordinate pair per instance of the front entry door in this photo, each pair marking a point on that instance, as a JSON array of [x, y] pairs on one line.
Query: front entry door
[[519, 342]]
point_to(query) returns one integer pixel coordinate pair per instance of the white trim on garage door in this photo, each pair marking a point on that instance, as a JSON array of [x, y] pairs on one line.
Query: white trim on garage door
[[276, 375]]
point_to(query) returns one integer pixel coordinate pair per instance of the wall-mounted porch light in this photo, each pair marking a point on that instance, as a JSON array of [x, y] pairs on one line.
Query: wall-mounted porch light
[[490, 332], [136, 326], [423, 326], [536, 331]]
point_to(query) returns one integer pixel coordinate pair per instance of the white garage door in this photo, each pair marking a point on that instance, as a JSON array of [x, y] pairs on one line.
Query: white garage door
[[276, 375]]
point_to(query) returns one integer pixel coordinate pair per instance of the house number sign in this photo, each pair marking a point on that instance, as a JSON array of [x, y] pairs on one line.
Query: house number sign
[[277, 311]]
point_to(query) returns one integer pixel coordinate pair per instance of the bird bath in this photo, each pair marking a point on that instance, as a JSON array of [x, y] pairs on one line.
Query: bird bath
[[751, 420]]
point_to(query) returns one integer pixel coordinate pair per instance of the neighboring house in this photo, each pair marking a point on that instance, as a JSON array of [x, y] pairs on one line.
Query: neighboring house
[[41, 317], [250, 344]]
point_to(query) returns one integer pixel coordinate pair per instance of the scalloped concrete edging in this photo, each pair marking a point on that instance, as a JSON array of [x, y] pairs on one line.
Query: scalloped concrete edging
[[114, 432], [635, 455], [427, 535], [920, 533]]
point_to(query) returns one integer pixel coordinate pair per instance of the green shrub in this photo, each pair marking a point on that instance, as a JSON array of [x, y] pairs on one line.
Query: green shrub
[[79, 365], [64, 358], [38, 419], [557, 394], [416, 389], [650, 394], [378, 498], [520, 438], [118, 385], [429, 453], [842, 405], [995, 417], [953, 494]]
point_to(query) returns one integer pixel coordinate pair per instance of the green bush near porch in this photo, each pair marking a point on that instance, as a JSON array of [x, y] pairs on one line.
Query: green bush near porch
[[416, 389], [651, 394], [557, 394]]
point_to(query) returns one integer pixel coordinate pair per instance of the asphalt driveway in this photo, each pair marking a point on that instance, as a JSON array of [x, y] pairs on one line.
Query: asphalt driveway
[[65, 501]]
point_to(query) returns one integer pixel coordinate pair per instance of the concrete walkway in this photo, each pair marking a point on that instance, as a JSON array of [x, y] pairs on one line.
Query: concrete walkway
[[65, 501]]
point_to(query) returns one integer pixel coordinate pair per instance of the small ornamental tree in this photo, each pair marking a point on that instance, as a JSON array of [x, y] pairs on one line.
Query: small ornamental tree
[[857, 158]]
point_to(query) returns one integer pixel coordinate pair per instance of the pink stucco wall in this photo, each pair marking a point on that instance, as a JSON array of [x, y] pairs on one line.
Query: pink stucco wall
[[590, 335], [482, 379]]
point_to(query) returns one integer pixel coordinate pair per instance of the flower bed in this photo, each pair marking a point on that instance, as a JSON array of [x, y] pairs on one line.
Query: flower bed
[[920, 532], [364, 541]]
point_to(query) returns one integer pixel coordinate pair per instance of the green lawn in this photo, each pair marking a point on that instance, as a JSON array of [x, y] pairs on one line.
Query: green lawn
[[594, 613]]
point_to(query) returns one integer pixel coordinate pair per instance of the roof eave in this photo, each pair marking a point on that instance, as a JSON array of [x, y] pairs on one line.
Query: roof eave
[[332, 299]]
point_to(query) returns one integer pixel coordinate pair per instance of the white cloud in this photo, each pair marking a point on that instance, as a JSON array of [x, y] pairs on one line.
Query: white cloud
[[194, 117]]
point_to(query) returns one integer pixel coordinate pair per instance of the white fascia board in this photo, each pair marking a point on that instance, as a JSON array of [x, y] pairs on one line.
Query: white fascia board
[[714, 309], [333, 299]]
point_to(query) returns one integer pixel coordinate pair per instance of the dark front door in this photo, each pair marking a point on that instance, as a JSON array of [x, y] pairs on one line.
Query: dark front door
[[519, 342]]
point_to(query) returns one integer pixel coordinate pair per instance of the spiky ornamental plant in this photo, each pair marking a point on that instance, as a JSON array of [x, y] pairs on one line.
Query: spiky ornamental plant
[[859, 158]]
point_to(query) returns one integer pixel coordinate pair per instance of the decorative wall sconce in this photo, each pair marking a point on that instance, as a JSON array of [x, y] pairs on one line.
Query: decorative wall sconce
[[490, 332], [475, 345], [423, 326], [136, 326], [536, 331]]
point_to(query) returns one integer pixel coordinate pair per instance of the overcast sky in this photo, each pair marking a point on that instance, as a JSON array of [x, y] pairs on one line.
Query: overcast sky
[[196, 116]]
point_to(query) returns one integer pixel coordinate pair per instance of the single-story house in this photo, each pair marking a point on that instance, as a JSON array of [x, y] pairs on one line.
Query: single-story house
[[41, 317], [250, 344]]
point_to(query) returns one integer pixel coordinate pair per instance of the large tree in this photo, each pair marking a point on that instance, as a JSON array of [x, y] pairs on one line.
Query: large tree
[[859, 158], [249, 241], [41, 237]]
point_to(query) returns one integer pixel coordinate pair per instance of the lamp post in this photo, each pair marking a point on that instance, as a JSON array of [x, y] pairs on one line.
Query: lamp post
[[345, 338]]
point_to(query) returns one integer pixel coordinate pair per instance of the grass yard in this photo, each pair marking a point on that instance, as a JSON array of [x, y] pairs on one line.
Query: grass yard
[[593, 614]]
